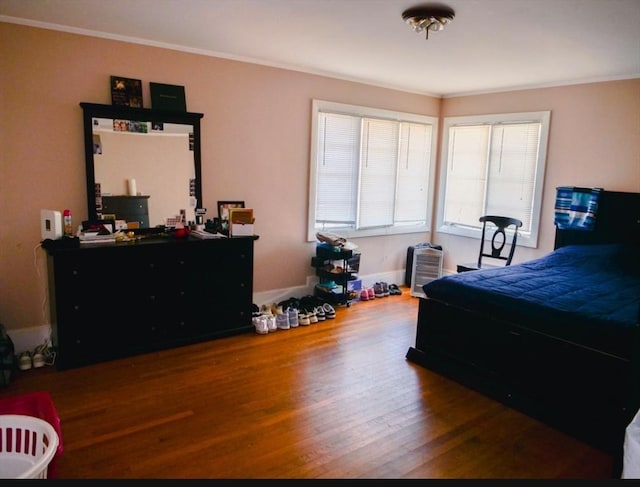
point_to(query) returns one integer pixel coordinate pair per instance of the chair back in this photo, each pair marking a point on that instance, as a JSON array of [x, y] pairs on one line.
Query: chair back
[[499, 238]]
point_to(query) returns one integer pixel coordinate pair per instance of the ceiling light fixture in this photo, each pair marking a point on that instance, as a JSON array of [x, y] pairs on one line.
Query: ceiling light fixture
[[428, 18]]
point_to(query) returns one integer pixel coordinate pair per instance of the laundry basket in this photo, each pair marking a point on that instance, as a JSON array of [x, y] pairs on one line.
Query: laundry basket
[[40, 405], [27, 445]]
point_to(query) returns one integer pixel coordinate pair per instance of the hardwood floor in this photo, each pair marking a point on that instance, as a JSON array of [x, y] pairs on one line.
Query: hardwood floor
[[333, 400]]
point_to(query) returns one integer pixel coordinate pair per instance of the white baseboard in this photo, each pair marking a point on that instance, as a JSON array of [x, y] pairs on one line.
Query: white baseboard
[[278, 295], [26, 339]]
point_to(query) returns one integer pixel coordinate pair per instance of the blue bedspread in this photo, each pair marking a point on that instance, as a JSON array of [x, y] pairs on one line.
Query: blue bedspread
[[576, 291]]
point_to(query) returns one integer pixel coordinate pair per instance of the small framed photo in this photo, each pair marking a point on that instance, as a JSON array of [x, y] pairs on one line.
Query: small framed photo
[[223, 208]]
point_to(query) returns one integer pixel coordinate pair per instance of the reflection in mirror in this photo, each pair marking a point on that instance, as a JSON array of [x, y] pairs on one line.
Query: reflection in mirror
[[143, 166], [157, 165]]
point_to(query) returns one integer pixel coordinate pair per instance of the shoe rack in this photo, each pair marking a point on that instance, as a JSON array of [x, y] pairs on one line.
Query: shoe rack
[[335, 267]]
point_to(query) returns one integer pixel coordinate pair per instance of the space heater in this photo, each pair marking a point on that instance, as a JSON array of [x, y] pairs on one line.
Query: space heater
[[426, 266]]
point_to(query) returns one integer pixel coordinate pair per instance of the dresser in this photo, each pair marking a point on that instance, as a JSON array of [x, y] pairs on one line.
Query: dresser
[[120, 299]]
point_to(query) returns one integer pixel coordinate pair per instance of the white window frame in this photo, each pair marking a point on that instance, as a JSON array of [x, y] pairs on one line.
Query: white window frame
[[319, 106], [525, 238]]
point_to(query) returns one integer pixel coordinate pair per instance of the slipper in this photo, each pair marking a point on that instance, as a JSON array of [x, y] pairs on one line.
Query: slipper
[[394, 290]]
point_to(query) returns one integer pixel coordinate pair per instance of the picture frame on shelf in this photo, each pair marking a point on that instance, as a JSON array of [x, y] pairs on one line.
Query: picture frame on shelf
[[223, 212], [224, 206], [126, 92], [167, 97]]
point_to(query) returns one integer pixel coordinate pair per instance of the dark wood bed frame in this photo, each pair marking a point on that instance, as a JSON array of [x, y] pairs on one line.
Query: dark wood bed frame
[[587, 393]]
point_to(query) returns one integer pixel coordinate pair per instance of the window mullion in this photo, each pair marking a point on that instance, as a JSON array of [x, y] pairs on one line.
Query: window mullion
[[487, 171]]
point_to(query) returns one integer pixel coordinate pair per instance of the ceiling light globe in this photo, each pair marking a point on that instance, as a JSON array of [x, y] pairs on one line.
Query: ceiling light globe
[[436, 25]]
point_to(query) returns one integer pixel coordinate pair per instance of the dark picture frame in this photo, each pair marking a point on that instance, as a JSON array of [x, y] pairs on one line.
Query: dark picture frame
[[126, 92], [167, 97]]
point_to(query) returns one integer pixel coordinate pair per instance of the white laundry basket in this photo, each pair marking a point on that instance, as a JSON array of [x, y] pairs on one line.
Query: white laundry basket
[[27, 445]]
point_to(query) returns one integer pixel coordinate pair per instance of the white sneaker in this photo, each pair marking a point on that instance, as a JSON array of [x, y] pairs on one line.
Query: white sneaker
[[24, 361], [303, 318], [271, 323], [320, 314], [282, 321], [313, 317], [293, 317], [260, 323], [329, 311]]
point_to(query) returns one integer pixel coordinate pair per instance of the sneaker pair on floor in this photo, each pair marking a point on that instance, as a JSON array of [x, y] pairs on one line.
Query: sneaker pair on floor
[[367, 294], [288, 318], [265, 320], [381, 289], [42, 355]]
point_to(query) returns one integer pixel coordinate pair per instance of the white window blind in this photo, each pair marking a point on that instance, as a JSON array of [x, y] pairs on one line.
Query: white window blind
[[371, 171], [378, 172], [414, 166], [338, 148]]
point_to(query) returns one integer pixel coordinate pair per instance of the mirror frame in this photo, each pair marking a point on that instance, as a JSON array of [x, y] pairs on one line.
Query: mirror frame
[[94, 110]]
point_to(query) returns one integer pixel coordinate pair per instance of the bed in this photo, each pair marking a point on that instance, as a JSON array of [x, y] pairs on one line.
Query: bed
[[558, 337]]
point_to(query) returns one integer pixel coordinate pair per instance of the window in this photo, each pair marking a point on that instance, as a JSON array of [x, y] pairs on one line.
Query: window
[[372, 171], [493, 164]]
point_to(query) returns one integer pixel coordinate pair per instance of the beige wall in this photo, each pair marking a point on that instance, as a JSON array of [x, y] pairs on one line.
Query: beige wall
[[594, 141], [255, 148]]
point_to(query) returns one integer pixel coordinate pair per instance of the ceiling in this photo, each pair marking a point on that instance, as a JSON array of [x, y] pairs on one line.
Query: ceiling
[[491, 45]]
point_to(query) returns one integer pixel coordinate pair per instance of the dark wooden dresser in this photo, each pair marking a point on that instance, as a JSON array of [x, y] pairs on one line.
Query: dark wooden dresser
[[120, 299]]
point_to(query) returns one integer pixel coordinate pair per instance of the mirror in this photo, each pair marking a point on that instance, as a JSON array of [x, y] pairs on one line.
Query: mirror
[[143, 165]]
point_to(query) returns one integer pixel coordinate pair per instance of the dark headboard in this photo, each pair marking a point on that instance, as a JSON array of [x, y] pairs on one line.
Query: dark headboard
[[617, 221]]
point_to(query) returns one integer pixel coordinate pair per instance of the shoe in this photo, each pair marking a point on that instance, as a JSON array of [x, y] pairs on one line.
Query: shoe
[[320, 314], [271, 322], [303, 318], [313, 317], [282, 321], [329, 311], [364, 295], [293, 317], [385, 288], [260, 323], [371, 293], [37, 358], [24, 361], [255, 310], [270, 319], [394, 290], [377, 290]]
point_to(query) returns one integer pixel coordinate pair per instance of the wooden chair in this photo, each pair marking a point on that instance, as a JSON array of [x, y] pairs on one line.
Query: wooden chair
[[498, 242]]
